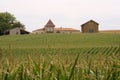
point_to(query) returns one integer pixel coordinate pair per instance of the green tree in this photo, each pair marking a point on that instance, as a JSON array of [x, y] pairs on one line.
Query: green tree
[[8, 21], [18, 24]]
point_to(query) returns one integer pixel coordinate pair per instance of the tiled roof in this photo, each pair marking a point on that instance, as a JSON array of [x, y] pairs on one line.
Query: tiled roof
[[65, 29], [49, 24], [42, 29]]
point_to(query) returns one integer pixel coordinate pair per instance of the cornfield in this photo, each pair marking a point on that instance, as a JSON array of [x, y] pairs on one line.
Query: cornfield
[[64, 60]]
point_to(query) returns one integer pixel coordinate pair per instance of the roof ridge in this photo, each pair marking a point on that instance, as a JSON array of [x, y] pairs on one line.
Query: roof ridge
[[50, 24]]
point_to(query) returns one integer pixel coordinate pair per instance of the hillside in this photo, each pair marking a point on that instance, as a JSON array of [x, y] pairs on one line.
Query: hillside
[[60, 40], [110, 31]]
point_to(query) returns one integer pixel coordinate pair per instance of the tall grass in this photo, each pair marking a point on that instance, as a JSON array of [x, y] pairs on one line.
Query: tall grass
[[0, 56]]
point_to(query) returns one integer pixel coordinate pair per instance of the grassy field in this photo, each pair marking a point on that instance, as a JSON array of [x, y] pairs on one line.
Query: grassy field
[[60, 40], [60, 57]]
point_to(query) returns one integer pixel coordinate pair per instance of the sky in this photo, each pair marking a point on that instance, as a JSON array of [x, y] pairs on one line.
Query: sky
[[34, 14]]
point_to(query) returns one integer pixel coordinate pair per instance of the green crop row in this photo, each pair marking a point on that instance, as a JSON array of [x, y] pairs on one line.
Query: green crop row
[[98, 63], [88, 68], [21, 52]]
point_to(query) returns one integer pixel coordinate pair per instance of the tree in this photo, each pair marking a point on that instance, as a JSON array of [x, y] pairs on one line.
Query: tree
[[18, 24], [8, 21]]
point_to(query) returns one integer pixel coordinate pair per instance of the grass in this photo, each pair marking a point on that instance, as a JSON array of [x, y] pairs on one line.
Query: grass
[[59, 40], [60, 57]]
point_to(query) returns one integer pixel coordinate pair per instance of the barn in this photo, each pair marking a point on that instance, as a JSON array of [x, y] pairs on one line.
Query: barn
[[15, 31], [90, 27]]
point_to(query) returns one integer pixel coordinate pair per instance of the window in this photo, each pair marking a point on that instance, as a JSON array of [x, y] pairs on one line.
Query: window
[[91, 30]]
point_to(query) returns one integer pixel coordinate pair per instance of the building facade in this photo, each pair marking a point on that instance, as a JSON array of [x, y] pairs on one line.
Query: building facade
[[49, 27], [16, 31]]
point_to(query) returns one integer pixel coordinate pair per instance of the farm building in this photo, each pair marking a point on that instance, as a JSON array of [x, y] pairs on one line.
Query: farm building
[[50, 28], [16, 31], [90, 27], [39, 31]]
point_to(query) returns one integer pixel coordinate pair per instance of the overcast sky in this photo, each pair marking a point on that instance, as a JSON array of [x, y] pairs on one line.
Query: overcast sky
[[64, 13]]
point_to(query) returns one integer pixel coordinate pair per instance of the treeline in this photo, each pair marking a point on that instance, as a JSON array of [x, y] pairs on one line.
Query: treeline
[[8, 21]]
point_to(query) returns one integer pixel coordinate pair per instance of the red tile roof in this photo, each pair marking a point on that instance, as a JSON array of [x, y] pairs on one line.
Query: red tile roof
[[65, 29], [42, 29]]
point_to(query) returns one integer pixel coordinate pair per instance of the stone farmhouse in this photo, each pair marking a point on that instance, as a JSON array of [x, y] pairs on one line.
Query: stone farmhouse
[[16, 31], [50, 28], [90, 27]]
